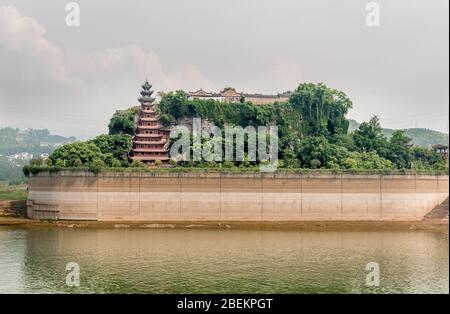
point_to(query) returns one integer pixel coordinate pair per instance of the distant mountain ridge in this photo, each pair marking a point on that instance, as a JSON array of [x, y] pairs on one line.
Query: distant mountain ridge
[[420, 136], [18, 146], [34, 141]]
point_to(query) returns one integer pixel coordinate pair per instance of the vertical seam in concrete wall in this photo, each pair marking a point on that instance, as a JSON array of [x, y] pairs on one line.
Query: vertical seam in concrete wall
[[129, 195], [437, 189], [301, 196], [342, 200], [381, 196], [97, 182], [60, 194], [179, 195], [415, 195], [220, 195], [262, 200], [139, 194]]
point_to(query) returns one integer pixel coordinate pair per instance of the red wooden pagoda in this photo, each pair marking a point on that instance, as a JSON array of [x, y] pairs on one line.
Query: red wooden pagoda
[[151, 139]]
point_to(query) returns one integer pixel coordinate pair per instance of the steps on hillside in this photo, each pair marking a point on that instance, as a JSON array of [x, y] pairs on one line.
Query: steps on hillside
[[440, 212]]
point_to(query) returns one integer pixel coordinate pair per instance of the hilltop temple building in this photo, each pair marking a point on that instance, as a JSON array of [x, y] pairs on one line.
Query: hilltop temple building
[[231, 96], [151, 139]]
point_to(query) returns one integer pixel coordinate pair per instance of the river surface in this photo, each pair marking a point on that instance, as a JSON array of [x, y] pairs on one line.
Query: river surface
[[34, 260]]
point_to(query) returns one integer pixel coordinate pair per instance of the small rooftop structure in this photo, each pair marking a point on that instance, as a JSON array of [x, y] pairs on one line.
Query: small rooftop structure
[[441, 149]]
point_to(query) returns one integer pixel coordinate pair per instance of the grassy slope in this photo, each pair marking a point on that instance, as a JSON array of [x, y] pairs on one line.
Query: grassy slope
[[12, 193]]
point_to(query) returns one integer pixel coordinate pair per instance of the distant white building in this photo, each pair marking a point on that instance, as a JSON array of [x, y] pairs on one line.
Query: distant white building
[[21, 156]]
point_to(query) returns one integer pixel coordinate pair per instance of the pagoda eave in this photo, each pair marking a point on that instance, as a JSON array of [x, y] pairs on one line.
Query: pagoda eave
[[137, 135], [147, 127], [155, 150], [150, 158], [145, 100], [150, 142]]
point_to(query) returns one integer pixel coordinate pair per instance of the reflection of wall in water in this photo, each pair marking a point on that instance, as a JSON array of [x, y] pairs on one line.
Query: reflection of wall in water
[[226, 261]]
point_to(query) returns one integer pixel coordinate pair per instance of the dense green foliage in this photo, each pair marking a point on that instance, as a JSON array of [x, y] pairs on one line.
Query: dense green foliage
[[122, 122], [175, 106], [313, 110], [313, 133], [117, 145], [398, 149], [317, 152], [369, 137], [424, 159], [312, 130], [322, 109], [104, 150], [419, 136], [75, 154]]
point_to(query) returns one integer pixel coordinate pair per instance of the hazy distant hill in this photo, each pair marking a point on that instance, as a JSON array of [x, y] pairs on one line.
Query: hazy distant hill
[[33, 141], [18, 146], [420, 136]]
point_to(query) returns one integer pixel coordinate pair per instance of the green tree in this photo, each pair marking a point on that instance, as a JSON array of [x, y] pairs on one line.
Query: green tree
[[122, 122], [118, 145], [427, 159], [322, 109], [289, 158], [315, 152], [399, 151], [69, 155], [36, 162], [369, 137], [366, 161]]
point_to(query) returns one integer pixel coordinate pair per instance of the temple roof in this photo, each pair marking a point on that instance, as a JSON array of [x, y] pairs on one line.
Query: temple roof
[[230, 92], [200, 93], [439, 146]]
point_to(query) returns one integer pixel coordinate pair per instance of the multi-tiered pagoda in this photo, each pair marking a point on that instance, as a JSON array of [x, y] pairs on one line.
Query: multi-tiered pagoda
[[151, 139]]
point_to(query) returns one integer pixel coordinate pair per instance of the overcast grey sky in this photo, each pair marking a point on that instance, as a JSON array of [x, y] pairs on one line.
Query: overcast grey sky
[[71, 79]]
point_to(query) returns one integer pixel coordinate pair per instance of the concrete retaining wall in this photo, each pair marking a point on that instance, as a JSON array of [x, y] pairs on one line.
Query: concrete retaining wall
[[232, 196]]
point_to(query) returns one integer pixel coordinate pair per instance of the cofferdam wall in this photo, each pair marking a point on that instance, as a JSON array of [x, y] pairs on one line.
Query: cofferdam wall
[[170, 196]]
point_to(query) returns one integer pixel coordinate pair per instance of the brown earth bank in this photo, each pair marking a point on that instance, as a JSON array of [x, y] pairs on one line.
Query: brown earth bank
[[429, 224], [13, 208]]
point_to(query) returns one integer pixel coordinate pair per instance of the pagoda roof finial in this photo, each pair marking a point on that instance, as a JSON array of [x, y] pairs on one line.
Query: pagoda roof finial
[[146, 92], [146, 85]]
